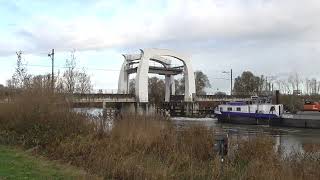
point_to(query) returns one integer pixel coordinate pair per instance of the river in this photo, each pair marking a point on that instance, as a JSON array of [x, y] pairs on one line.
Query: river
[[288, 139]]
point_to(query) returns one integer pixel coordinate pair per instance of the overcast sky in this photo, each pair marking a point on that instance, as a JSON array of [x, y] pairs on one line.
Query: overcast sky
[[270, 37]]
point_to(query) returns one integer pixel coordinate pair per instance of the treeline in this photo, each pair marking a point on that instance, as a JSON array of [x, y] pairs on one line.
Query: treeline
[[249, 84], [157, 86], [294, 90], [72, 80]]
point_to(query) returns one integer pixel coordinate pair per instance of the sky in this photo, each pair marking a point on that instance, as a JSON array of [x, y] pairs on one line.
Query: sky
[[274, 38]]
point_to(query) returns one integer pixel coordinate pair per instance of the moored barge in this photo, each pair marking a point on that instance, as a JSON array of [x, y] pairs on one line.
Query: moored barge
[[263, 112], [255, 112]]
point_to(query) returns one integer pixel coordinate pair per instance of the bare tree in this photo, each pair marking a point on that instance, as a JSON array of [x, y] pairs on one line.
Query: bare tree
[[59, 83], [297, 81], [70, 74], [294, 80], [41, 82], [83, 82], [9, 83], [313, 86], [291, 82], [75, 80], [307, 86], [285, 86], [20, 78]]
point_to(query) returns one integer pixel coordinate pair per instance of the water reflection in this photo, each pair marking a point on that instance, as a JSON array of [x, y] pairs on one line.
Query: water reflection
[[91, 111], [290, 140]]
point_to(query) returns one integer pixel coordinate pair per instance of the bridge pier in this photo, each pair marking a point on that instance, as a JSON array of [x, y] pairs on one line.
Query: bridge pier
[[127, 108], [131, 107], [145, 108]]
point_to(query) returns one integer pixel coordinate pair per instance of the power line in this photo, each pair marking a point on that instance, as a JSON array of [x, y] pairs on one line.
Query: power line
[[26, 53], [98, 69], [66, 67], [220, 78]]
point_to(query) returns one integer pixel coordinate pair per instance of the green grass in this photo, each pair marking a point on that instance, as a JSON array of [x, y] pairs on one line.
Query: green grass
[[16, 164]]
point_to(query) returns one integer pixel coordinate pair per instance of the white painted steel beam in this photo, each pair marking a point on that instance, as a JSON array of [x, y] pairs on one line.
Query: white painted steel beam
[[157, 55]]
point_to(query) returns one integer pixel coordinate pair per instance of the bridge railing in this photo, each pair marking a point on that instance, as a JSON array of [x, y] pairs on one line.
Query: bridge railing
[[180, 98], [105, 91], [223, 96], [104, 98]]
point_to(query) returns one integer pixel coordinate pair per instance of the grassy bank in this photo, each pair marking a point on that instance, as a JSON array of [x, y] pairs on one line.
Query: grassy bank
[[141, 147], [16, 164]]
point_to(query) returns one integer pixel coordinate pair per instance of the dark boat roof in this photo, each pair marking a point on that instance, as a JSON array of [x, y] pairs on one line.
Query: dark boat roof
[[237, 103]]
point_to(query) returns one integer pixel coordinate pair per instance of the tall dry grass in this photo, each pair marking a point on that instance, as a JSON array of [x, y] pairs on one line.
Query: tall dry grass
[[143, 147], [140, 147], [38, 119]]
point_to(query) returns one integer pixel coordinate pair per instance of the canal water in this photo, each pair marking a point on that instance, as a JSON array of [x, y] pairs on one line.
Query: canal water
[[290, 140]]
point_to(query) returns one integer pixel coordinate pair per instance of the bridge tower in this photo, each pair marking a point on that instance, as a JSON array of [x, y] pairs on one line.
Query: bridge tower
[[139, 64]]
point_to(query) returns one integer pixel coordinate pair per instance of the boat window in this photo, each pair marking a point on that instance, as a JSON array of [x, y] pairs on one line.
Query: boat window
[[272, 109], [229, 108], [238, 108], [221, 109]]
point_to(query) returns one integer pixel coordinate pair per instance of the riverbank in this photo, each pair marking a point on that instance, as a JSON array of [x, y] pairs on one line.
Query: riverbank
[[151, 148], [18, 164], [143, 147]]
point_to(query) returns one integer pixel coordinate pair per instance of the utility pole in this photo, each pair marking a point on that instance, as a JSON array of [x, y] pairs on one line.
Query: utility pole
[[231, 83], [52, 68], [231, 79]]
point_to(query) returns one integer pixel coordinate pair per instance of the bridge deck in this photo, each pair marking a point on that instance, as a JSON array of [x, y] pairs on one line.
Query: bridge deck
[[79, 98], [84, 98]]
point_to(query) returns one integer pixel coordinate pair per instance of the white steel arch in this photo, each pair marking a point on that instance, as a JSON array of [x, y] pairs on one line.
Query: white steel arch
[[157, 55]]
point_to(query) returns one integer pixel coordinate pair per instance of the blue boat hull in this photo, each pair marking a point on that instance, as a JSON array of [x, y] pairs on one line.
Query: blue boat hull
[[247, 118]]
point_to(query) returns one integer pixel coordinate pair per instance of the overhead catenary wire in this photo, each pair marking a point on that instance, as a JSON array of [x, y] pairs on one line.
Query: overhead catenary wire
[[66, 67], [97, 69], [105, 69]]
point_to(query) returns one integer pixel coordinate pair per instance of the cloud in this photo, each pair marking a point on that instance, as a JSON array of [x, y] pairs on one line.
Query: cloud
[[142, 24], [265, 36]]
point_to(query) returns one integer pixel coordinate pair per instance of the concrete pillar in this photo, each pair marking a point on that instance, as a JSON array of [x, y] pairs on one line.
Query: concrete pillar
[[123, 80], [190, 87], [167, 84], [173, 86], [142, 77]]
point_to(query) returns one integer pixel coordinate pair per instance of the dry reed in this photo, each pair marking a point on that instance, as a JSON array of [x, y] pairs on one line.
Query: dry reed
[[140, 147]]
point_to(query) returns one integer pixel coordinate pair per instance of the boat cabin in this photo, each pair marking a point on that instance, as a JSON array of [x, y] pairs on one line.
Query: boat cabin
[[251, 108]]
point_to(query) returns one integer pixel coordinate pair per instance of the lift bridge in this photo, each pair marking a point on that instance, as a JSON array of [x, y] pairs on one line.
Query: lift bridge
[[201, 106], [188, 104]]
